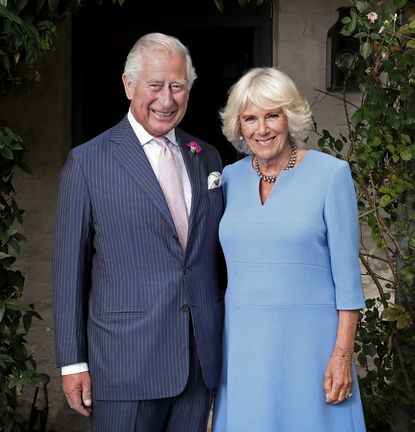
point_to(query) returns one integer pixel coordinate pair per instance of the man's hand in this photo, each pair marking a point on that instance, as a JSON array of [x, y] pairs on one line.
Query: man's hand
[[77, 389]]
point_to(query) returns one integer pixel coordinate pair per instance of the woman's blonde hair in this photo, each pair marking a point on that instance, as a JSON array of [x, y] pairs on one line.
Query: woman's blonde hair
[[267, 88]]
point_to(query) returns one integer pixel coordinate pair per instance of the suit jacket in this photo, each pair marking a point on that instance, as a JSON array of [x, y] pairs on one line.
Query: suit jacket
[[124, 290]]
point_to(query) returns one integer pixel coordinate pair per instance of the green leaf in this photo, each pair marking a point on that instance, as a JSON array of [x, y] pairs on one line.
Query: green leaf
[[21, 4], [27, 322], [39, 5], [385, 200], [15, 146], [2, 310], [26, 168], [53, 5], [6, 358], [6, 153], [357, 117], [338, 145], [14, 244], [406, 155], [410, 44], [360, 35], [363, 7], [392, 313], [366, 50], [375, 36], [17, 305], [219, 4], [403, 322], [8, 424], [4, 255], [10, 16]]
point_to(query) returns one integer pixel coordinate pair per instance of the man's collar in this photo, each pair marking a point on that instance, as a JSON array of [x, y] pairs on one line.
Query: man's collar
[[143, 136]]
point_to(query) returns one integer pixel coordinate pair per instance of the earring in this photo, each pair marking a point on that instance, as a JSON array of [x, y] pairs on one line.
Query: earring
[[241, 138]]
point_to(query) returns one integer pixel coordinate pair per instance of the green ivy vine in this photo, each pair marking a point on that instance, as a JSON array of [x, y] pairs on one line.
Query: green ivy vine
[[380, 147]]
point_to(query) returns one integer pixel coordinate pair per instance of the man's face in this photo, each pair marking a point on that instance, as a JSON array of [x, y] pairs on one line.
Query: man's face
[[160, 95]]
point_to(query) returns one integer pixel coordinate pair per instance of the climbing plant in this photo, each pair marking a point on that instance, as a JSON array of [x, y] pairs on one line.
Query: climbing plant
[[380, 147], [28, 31]]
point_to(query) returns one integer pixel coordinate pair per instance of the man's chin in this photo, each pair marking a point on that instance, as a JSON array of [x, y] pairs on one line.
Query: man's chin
[[163, 126]]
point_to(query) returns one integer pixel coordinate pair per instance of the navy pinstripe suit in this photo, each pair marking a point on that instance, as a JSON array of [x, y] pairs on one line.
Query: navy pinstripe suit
[[124, 290]]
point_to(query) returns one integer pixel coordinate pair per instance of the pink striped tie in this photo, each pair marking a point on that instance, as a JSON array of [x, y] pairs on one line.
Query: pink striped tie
[[170, 181]]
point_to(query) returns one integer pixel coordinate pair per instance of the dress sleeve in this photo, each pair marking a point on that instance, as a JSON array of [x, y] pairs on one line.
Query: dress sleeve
[[341, 217]]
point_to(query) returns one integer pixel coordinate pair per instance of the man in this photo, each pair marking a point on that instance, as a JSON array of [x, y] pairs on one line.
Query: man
[[138, 315]]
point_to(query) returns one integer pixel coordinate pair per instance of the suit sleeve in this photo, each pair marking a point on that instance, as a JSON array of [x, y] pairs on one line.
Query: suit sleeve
[[341, 216], [71, 267]]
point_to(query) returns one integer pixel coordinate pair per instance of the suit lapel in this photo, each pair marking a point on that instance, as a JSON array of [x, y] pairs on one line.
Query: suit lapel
[[130, 155], [192, 163]]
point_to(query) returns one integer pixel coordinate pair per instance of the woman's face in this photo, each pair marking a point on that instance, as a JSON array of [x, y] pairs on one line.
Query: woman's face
[[265, 131]]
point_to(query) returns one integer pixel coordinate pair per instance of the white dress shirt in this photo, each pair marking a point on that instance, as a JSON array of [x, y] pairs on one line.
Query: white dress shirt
[[152, 150]]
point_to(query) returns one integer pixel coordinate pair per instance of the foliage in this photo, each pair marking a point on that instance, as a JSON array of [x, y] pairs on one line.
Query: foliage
[[220, 4], [380, 147], [27, 33], [16, 365]]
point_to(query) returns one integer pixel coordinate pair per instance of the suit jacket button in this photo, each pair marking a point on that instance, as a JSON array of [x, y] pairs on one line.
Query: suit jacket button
[[184, 308], [186, 270], [175, 238]]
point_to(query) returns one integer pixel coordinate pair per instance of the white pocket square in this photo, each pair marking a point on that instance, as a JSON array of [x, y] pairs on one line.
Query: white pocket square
[[214, 180]]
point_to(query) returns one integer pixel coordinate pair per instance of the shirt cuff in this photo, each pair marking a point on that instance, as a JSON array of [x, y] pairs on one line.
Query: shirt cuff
[[74, 368]]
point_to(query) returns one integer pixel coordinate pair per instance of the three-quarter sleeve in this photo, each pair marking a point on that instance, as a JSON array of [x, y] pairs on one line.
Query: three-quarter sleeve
[[341, 217]]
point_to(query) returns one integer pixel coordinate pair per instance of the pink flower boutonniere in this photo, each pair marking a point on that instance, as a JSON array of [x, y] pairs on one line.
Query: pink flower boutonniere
[[194, 147]]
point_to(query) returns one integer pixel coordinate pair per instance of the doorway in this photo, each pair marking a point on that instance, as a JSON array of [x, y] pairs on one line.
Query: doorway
[[222, 47]]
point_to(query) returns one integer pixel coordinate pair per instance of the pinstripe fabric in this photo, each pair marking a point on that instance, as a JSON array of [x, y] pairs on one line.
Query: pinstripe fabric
[[120, 276], [187, 412]]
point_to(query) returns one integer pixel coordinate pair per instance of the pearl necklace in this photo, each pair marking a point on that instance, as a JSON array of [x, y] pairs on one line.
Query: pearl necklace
[[290, 165]]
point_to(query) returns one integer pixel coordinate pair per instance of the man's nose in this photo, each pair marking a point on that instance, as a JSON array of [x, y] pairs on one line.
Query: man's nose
[[165, 97]]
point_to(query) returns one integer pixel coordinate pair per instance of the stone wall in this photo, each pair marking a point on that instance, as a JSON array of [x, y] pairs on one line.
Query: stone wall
[[43, 119]]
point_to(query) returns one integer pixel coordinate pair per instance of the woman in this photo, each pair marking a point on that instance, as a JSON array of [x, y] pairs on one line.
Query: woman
[[290, 238]]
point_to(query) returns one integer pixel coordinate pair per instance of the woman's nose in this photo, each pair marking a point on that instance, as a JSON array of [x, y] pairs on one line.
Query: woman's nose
[[262, 126]]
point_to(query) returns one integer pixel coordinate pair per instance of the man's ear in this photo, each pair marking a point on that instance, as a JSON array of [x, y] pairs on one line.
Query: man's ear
[[128, 86]]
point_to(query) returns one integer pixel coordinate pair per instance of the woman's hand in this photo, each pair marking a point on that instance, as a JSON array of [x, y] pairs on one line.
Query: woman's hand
[[338, 379]]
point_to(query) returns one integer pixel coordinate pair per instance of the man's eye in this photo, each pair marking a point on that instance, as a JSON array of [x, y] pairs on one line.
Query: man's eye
[[175, 87], [155, 86]]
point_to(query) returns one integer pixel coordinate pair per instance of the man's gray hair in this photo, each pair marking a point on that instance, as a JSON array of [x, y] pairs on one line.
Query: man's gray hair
[[156, 41]]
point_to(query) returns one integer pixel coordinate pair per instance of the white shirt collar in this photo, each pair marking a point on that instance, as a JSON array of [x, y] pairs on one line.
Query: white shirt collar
[[143, 136]]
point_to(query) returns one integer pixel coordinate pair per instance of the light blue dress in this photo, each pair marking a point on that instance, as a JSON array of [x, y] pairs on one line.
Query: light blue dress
[[292, 264]]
